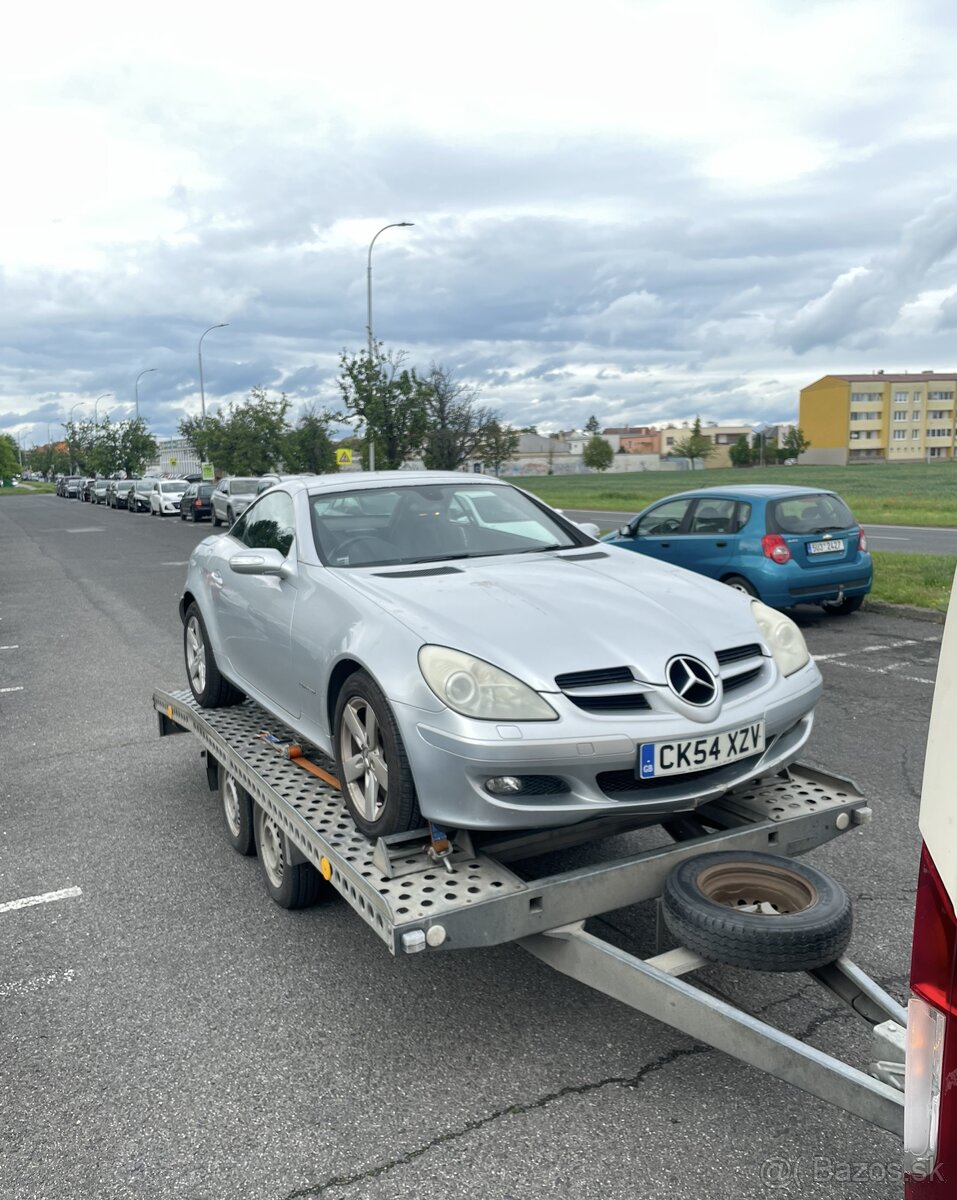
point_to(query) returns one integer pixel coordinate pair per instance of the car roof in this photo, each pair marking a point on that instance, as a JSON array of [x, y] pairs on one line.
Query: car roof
[[356, 481], [757, 491]]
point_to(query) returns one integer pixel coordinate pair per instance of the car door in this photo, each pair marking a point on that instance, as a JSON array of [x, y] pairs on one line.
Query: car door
[[709, 544], [255, 611], [220, 495], [660, 532]]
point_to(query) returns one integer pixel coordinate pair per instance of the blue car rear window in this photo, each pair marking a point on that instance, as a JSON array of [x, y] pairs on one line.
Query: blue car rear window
[[809, 514]]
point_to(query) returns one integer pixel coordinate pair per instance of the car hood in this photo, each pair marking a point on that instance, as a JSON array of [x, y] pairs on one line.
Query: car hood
[[548, 614]]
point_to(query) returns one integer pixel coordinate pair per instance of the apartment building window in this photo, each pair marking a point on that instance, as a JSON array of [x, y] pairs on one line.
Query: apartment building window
[[901, 416], [866, 416], [940, 395], [938, 414], [940, 432], [936, 452], [917, 397], [914, 434], [865, 397], [900, 435], [901, 397], [915, 415]]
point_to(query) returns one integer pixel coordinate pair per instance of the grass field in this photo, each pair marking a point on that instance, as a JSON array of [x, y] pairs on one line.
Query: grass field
[[921, 579], [27, 489], [911, 494]]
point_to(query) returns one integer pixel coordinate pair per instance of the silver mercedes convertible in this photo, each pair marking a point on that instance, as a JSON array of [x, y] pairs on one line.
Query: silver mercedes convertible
[[469, 656]]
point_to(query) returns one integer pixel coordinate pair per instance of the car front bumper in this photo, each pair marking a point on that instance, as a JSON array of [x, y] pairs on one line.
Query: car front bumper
[[582, 767]]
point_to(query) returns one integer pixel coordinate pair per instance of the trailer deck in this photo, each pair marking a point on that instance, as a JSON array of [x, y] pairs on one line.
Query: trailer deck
[[487, 892]]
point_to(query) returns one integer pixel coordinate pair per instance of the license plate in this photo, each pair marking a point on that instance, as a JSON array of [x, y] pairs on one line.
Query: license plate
[[699, 754], [834, 546]]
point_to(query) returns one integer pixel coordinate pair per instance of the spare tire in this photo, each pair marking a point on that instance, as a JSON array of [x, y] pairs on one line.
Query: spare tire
[[759, 911]]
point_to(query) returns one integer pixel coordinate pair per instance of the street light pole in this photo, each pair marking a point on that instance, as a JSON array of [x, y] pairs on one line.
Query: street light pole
[[95, 403], [393, 225], [202, 390], [136, 389]]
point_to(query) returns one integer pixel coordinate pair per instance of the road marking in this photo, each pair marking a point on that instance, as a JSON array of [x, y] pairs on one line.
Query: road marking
[[13, 689], [892, 669], [887, 537], [185, 563], [21, 987], [45, 898], [866, 650], [9, 647], [86, 529]]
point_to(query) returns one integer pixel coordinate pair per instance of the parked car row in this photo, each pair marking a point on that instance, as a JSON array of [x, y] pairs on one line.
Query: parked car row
[[191, 499]]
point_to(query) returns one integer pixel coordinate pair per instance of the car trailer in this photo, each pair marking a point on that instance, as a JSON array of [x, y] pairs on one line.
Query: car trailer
[[468, 895]]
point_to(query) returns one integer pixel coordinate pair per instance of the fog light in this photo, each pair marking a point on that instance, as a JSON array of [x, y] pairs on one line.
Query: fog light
[[504, 785]]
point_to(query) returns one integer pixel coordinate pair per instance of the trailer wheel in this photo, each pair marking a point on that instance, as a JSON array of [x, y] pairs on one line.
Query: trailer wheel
[[209, 688], [237, 813], [757, 911], [373, 769], [291, 885]]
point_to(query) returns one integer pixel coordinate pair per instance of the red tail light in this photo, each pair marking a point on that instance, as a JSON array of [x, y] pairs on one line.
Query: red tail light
[[930, 1129], [775, 548], [861, 538], [197, 503]]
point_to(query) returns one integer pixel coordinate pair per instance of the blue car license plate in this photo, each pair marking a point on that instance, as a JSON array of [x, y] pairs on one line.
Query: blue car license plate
[[834, 546], [679, 757]]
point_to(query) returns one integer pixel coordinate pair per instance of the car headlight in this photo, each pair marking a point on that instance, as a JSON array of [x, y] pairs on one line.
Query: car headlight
[[783, 636], [477, 689]]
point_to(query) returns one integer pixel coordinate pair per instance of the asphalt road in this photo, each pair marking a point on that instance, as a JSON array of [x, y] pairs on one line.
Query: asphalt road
[[912, 539], [166, 1031]]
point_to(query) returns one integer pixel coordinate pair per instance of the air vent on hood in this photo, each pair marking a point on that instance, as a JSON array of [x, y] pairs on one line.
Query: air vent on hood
[[418, 572], [586, 557]]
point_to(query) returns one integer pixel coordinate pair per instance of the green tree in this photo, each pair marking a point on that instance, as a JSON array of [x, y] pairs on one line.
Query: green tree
[[308, 447], [499, 443], [592, 426], [740, 452], [386, 401], [695, 445], [456, 424], [135, 447], [794, 444], [9, 457], [247, 439], [598, 454]]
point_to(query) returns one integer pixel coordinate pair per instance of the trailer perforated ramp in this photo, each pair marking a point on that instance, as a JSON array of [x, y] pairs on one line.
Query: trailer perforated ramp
[[415, 904]]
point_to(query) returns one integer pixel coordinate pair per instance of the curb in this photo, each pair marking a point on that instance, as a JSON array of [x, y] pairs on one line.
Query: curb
[[904, 610]]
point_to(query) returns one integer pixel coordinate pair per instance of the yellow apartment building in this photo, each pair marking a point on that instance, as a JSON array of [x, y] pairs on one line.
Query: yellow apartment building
[[879, 417]]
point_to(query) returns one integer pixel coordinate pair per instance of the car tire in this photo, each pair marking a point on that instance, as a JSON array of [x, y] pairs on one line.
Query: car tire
[[369, 749], [843, 608], [237, 813], [216, 521], [230, 519], [740, 584], [209, 687], [195, 517], [710, 905], [291, 885]]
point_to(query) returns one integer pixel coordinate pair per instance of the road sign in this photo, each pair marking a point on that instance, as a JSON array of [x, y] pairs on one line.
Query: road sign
[[344, 458], [207, 470]]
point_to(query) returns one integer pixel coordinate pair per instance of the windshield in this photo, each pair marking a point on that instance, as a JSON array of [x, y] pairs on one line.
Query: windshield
[[809, 514], [173, 487], [242, 485], [429, 523]]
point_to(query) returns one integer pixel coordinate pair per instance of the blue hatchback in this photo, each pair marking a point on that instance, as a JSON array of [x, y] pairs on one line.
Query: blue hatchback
[[785, 545]]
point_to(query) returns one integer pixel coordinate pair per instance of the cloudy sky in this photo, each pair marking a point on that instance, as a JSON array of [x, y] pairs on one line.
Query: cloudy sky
[[638, 210]]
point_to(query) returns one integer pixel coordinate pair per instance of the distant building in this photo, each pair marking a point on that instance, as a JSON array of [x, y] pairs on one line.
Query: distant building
[[879, 417], [635, 439], [175, 457]]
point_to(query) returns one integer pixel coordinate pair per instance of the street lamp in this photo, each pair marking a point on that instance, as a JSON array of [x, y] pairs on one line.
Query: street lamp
[[202, 390], [393, 225], [95, 403], [136, 389]]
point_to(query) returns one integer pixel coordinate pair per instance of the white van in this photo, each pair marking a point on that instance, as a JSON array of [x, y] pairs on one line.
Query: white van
[[930, 1095]]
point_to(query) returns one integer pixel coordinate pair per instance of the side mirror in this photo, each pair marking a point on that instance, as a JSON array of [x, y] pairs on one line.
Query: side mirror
[[260, 562], [589, 528], [627, 531]]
